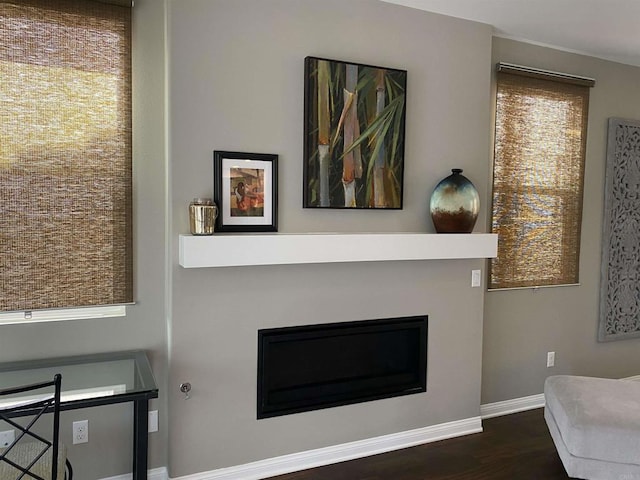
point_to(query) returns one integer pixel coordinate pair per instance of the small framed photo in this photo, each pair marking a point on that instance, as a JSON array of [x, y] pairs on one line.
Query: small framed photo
[[245, 187]]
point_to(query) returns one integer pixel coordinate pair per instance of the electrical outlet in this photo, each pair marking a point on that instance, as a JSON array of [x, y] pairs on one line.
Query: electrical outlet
[[551, 359], [476, 276], [80, 431], [6, 438], [153, 421]]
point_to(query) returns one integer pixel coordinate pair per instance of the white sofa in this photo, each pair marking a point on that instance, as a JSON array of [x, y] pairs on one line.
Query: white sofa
[[595, 425]]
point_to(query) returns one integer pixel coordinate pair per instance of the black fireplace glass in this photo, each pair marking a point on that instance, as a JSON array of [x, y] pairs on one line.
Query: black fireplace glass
[[319, 366]]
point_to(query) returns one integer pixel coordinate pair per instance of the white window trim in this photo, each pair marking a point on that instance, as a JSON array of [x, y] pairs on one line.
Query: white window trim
[[57, 315]]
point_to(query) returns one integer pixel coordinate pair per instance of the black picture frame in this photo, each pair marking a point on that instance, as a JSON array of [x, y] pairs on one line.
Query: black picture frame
[[245, 189], [354, 135]]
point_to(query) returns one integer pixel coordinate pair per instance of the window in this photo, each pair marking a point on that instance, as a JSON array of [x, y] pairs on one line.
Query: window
[[540, 138], [65, 154]]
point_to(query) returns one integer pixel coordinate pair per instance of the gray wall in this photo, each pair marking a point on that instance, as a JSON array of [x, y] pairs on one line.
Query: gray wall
[[144, 327], [236, 70], [521, 326]]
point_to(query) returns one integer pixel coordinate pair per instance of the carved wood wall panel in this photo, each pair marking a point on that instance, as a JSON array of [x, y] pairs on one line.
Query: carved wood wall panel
[[620, 275]]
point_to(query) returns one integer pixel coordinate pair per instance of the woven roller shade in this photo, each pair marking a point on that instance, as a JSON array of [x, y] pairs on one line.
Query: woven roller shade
[[540, 139], [65, 154]]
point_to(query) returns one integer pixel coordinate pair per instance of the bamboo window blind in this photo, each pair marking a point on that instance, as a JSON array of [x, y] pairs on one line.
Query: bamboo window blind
[[65, 154], [538, 176]]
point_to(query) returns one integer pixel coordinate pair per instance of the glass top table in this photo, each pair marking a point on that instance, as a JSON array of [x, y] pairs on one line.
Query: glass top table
[[94, 380]]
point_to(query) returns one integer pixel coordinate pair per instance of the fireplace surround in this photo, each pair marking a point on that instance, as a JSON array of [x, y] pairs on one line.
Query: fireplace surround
[[311, 367]]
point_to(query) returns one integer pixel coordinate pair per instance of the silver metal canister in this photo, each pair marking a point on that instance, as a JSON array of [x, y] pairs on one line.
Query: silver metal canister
[[202, 216]]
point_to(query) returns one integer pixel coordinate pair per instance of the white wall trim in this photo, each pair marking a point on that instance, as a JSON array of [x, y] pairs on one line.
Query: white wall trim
[[154, 474], [62, 314], [340, 453], [362, 448], [506, 407]]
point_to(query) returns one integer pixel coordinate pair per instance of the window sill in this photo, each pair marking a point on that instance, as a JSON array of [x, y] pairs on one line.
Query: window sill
[[39, 316]]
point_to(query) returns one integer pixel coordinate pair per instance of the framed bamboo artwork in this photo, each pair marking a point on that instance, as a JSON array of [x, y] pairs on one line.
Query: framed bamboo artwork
[[245, 189], [354, 135]]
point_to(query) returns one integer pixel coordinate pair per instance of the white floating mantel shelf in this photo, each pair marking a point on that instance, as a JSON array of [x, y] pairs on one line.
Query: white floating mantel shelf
[[223, 250]]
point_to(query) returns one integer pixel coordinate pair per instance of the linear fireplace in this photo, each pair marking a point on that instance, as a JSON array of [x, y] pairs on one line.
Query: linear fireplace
[[318, 366]]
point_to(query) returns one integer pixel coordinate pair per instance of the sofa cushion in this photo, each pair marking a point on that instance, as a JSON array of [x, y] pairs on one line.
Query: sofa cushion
[[598, 418]]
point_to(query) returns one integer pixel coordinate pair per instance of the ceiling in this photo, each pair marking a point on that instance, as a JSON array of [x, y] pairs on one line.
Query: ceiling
[[606, 29]]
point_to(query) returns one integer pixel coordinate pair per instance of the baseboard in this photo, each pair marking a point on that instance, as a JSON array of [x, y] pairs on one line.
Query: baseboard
[[521, 404], [506, 407], [363, 448], [340, 453], [154, 474]]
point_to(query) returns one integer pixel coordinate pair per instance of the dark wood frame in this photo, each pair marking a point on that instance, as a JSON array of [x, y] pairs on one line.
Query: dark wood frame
[[222, 197], [395, 82]]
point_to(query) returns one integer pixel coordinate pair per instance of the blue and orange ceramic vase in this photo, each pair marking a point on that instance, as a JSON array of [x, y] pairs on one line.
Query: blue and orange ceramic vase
[[454, 204]]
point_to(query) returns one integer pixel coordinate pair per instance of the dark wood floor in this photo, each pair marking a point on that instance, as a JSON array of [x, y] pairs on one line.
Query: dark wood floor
[[512, 447]]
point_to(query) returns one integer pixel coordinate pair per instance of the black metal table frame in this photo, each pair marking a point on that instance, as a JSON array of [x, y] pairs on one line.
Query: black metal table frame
[[140, 415]]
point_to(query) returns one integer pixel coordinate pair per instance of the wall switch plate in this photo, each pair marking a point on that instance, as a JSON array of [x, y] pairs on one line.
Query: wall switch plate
[[476, 277], [551, 359], [80, 431], [153, 421], [6, 438]]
